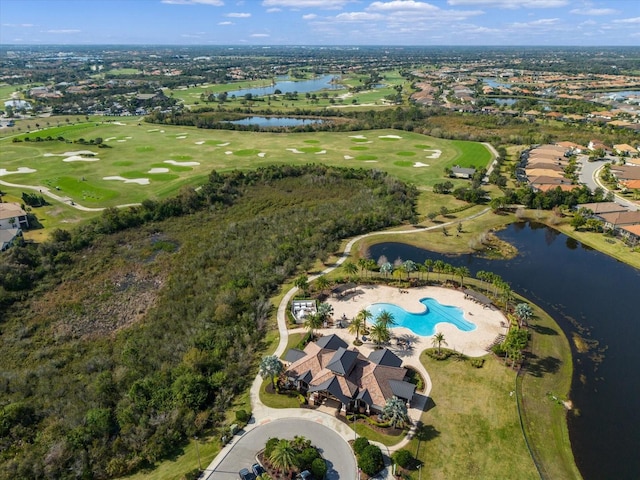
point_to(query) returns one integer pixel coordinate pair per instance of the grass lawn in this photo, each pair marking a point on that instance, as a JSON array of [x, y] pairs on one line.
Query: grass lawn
[[547, 374], [473, 430]]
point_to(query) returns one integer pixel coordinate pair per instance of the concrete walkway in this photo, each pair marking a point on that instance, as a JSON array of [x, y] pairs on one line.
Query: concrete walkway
[[263, 414]]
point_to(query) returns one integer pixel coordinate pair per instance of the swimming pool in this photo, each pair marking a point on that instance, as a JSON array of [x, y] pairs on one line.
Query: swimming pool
[[424, 323]]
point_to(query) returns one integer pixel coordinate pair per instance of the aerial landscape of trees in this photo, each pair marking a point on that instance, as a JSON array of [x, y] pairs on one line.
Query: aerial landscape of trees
[[113, 376]]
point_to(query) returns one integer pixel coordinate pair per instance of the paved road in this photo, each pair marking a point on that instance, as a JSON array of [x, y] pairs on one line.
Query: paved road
[[340, 460], [589, 176]]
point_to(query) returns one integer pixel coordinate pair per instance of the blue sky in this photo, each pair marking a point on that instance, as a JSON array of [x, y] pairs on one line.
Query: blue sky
[[321, 22]]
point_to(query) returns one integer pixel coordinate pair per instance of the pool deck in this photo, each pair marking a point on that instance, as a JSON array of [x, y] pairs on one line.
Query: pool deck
[[490, 323]]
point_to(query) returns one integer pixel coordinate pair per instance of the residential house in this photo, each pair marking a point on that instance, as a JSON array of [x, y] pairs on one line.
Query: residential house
[[12, 216], [631, 234], [624, 149], [613, 221], [600, 208], [461, 172], [8, 236], [328, 370]]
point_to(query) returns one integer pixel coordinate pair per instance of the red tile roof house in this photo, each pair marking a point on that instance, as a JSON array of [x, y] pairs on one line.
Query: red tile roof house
[[600, 208], [327, 369]]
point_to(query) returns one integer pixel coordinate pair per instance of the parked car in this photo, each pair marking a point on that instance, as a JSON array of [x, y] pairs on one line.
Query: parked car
[[257, 469], [246, 475], [304, 475]]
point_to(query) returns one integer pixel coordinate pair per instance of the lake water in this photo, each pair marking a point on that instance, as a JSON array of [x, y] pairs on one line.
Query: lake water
[[289, 86], [276, 121], [493, 83], [586, 291], [505, 101]]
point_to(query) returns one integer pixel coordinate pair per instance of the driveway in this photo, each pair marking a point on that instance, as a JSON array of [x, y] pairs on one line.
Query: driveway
[[335, 450]]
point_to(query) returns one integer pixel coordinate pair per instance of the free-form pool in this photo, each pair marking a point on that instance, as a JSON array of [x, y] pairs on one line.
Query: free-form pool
[[424, 323]]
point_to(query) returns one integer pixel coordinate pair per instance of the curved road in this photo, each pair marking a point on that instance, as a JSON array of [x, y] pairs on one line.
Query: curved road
[[340, 461]]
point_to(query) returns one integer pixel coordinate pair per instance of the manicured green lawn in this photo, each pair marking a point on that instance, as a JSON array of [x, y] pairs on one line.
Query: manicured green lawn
[[473, 430], [169, 157]]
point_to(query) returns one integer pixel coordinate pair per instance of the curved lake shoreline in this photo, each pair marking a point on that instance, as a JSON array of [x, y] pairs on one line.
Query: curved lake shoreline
[[573, 284]]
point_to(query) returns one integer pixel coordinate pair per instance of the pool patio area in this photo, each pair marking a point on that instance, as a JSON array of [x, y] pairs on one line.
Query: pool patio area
[[490, 322]]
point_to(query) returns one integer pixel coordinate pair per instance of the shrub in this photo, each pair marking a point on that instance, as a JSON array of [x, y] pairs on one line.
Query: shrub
[[402, 458], [319, 468], [360, 444], [477, 362], [305, 458], [370, 460], [242, 416], [269, 446]]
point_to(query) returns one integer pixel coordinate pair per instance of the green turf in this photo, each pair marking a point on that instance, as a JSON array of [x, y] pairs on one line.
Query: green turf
[[149, 146], [403, 163]]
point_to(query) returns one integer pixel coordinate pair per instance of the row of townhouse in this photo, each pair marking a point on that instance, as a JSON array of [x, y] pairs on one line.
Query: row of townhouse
[[616, 218], [544, 166]]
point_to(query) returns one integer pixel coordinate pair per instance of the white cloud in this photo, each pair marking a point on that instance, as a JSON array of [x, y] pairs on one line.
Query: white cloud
[[512, 3], [628, 20], [225, 23], [301, 4], [63, 30], [594, 11], [403, 5], [260, 35], [238, 15], [213, 3], [273, 10], [310, 16], [358, 17], [18, 25]]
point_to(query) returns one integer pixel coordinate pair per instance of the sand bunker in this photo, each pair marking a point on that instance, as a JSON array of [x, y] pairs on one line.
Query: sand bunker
[[182, 164], [261, 154], [201, 142], [348, 157], [371, 161], [420, 164], [158, 170], [121, 141], [69, 154], [4, 171], [321, 152], [223, 144], [128, 138], [357, 136], [435, 154], [389, 136], [161, 131], [228, 152], [180, 137], [139, 181], [109, 139], [153, 130], [294, 150], [78, 158], [118, 123]]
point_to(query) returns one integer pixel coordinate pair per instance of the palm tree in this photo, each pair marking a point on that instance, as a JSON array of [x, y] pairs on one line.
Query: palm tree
[[409, 266], [325, 311], [524, 313], [395, 412], [313, 322], [386, 318], [386, 268], [271, 367], [359, 322], [350, 268], [362, 263], [428, 263], [302, 282], [438, 340], [380, 333], [322, 283], [438, 267], [462, 272], [283, 455]]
